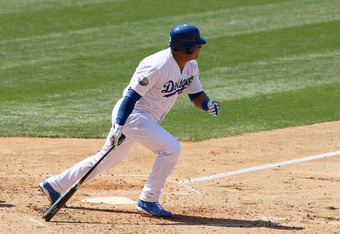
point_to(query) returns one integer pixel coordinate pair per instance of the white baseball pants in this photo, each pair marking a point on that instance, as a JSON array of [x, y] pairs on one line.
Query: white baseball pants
[[139, 128]]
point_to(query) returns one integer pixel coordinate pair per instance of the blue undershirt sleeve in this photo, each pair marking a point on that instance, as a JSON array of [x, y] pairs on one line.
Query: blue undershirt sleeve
[[195, 95], [127, 106]]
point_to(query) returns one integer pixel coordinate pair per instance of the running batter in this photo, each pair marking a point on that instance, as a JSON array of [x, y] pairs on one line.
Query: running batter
[[154, 87]]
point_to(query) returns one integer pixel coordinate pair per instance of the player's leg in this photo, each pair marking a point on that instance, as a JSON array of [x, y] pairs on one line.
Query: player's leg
[[53, 186], [66, 179], [151, 135], [168, 150]]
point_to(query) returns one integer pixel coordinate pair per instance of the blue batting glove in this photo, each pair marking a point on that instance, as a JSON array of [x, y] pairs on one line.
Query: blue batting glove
[[213, 107]]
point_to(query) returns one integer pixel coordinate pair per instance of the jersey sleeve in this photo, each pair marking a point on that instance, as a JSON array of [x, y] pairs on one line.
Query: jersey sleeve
[[195, 85], [144, 78]]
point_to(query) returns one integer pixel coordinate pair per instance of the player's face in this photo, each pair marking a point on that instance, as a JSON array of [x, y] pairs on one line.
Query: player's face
[[195, 55]]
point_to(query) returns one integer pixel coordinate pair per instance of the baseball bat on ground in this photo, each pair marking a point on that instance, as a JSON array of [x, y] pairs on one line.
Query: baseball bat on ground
[[55, 207]]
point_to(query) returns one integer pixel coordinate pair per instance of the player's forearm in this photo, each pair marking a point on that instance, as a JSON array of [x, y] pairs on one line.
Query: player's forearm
[[199, 100]]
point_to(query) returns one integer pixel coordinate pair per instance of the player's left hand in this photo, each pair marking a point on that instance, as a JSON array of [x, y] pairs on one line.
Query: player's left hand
[[213, 107], [117, 133]]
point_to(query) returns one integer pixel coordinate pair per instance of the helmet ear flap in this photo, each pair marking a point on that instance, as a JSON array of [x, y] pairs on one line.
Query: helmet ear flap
[[190, 50], [189, 47]]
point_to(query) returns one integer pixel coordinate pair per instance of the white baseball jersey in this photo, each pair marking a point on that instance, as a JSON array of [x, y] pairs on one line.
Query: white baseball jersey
[[159, 80]]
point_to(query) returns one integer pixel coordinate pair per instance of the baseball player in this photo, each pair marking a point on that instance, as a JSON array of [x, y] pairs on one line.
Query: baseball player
[[154, 87]]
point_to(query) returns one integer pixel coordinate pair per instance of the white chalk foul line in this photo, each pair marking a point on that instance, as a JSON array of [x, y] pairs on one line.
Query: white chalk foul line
[[246, 170], [35, 221], [265, 218]]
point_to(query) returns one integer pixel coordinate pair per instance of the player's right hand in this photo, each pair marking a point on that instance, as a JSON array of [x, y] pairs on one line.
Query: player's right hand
[[116, 134]]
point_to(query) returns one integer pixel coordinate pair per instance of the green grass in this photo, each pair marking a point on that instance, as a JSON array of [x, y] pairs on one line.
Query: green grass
[[262, 112], [270, 63]]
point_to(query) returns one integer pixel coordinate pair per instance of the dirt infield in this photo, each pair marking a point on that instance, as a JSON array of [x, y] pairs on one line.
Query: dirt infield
[[264, 182]]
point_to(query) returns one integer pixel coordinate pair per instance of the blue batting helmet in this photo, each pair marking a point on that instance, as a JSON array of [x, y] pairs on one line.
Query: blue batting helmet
[[184, 37]]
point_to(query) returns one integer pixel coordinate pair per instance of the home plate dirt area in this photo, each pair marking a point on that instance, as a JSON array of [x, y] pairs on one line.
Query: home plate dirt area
[[279, 181]]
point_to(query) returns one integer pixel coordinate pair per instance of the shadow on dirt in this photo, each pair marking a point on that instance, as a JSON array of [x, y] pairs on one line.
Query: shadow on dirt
[[6, 205], [221, 222], [191, 220]]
